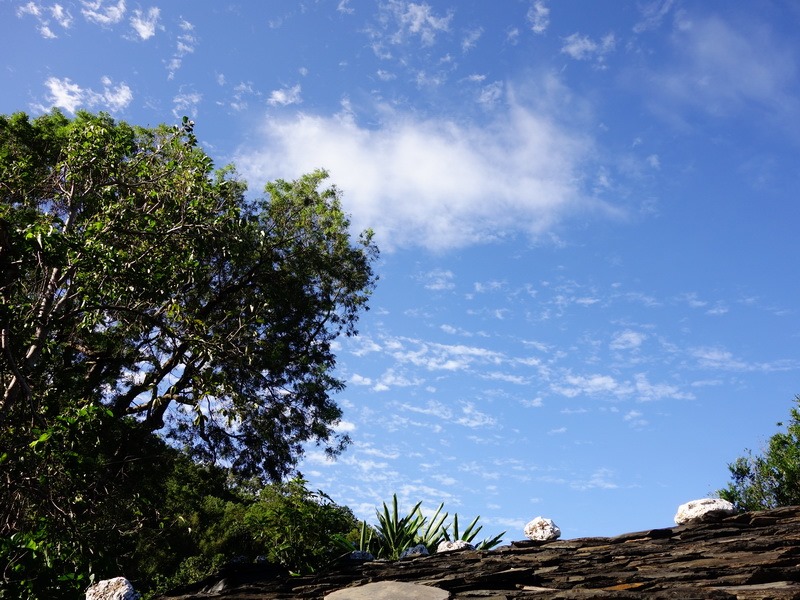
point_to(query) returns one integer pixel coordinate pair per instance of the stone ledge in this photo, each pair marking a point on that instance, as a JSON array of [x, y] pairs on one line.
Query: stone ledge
[[749, 556]]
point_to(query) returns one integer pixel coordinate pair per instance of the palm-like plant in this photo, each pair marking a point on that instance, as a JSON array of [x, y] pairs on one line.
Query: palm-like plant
[[396, 533], [470, 533]]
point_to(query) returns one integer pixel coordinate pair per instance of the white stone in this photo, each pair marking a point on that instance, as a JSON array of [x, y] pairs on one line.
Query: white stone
[[389, 590], [117, 588], [705, 509], [418, 550], [542, 530], [453, 546]]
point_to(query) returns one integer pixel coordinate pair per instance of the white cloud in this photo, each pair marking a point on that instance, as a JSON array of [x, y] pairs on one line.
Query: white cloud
[[524, 161], [646, 391], [285, 96], [627, 340], [472, 417], [491, 94], [591, 385], [185, 104], [438, 280], [145, 23], [582, 47], [471, 39], [70, 96], [344, 426], [416, 19], [97, 11], [40, 13], [539, 17], [721, 69], [184, 45], [652, 14], [600, 479]]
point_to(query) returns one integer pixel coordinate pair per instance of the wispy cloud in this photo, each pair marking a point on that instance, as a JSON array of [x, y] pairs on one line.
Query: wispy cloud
[[102, 13], [438, 280], [528, 164], [44, 14], [471, 39], [721, 68], [70, 96], [145, 23], [412, 19], [538, 17], [185, 44], [285, 96], [582, 47], [186, 103]]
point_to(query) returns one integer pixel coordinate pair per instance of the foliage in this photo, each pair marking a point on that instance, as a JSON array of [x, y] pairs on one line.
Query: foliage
[[141, 292], [395, 533], [470, 533], [771, 479]]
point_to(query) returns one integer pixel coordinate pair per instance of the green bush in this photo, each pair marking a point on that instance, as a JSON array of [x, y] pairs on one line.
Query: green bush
[[771, 479]]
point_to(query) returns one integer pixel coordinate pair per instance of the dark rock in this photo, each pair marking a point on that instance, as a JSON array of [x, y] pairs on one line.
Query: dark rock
[[747, 556]]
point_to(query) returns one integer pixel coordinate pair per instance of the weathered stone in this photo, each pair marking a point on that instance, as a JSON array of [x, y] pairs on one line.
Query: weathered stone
[[705, 509], [418, 550], [389, 590], [541, 529], [117, 588], [747, 556], [360, 555], [454, 546]]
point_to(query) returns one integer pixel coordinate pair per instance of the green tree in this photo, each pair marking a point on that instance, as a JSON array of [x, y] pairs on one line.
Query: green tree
[[771, 479], [141, 291]]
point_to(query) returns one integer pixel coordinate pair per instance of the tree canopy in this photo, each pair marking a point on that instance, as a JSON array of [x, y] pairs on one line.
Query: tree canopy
[[143, 291], [772, 478]]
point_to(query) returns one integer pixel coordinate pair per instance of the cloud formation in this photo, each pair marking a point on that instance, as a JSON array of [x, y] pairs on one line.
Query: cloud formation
[[102, 13], [145, 24], [433, 182], [70, 96]]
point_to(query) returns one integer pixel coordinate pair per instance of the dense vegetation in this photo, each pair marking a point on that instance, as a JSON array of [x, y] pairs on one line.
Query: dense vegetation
[[165, 352], [772, 478]]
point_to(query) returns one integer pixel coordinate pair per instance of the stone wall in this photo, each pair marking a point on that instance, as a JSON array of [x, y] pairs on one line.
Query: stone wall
[[745, 556]]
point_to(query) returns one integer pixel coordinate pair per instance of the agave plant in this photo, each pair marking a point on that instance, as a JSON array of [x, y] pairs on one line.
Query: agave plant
[[470, 533], [396, 533], [365, 540]]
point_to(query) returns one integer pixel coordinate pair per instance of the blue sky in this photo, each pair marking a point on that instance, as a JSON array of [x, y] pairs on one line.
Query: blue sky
[[587, 213]]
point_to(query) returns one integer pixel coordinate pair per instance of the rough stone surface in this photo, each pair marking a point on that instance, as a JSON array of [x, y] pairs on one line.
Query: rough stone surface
[[117, 588], [454, 546], [389, 590], [418, 550], [543, 530], [705, 509], [748, 556]]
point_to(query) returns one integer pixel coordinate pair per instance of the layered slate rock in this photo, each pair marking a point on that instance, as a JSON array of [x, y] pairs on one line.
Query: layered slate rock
[[746, 556]]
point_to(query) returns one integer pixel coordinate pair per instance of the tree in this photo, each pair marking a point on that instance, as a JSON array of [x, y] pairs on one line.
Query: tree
[[141, 291], [771, 479]]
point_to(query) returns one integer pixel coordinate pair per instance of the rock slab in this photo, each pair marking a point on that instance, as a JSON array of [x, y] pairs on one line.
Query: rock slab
[[748, 556], [389, 590]]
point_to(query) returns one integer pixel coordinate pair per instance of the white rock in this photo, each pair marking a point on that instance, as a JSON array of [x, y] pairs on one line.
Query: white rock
[[117, 588], [418, 550], [453, 546], [705, 509], [541, 529]]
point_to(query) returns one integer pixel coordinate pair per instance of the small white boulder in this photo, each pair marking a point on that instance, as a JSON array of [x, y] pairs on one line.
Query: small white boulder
[[542, 530], [418, 550], [705, 509], [117, 588], [453, 546]]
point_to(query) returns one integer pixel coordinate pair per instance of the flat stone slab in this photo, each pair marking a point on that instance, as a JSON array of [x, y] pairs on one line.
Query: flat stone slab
[[389, 590]]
